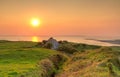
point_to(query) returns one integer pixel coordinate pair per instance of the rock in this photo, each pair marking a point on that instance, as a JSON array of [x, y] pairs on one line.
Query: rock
[[54, 43]]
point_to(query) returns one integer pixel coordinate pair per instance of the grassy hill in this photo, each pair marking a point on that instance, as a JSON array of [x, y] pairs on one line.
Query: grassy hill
[[27, 59], [17, 58], [102, 62]]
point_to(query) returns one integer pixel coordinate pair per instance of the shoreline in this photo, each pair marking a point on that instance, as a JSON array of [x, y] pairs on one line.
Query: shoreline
[[99, 43]]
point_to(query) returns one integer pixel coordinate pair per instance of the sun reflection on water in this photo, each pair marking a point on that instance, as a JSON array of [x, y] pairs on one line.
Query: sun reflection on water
[[35, 39]]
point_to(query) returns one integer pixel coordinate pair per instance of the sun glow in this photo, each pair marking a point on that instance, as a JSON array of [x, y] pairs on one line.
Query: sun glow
[[35, 22], [35, 39]]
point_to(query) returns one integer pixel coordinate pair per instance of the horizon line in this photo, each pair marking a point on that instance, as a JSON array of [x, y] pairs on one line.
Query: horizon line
[[62, 35]]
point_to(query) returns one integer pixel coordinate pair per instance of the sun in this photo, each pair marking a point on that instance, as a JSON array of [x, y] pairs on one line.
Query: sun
[[35, 22]]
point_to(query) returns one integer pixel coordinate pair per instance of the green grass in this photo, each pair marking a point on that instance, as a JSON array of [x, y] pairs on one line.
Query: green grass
[[17, 58]]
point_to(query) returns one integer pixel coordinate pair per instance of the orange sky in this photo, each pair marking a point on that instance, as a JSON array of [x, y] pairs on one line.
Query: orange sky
[[60, 17]]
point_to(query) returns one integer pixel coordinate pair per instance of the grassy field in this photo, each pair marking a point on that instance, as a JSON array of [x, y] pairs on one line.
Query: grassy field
[[26, 59], [17, 58]]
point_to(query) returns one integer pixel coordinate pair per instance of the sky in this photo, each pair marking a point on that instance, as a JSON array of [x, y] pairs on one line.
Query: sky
[[60, 17]]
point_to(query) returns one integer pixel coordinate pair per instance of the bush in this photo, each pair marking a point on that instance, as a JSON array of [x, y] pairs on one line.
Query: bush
[[58, 60], [48, 45], [81, 47], [63, 42], [48, 67], [40, 44], [44, 68], [67, 48], [44, 41], [46, 64]]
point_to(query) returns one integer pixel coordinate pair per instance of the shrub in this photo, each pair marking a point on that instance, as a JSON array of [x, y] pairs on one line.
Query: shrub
[[67, 48], [44, 68], [63, 42], [58, 60], [48, 67], [46, 64], [81, 47], [40, 44], [60, 42], [44, 41], [48, 45]]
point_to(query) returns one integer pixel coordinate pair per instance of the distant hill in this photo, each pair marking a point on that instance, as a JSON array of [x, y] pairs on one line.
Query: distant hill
[[111, 41], [117, 41]]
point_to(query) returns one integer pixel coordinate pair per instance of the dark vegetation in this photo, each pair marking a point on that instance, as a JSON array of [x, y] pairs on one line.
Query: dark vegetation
[[44, 44], [68, 47]]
